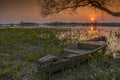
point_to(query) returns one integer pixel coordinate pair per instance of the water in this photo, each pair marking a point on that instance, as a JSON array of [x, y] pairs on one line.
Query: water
[[84, 33]]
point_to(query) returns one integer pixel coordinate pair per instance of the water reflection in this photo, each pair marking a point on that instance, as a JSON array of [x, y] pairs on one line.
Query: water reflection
[[84, 33]]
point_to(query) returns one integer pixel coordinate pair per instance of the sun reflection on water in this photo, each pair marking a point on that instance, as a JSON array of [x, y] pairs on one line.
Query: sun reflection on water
[[91, 30]]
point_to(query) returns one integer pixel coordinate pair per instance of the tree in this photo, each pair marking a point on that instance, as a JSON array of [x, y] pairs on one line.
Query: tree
[[48, 7]]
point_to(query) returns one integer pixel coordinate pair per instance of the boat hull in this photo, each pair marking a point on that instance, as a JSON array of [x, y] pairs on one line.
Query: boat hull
[[70, 56]]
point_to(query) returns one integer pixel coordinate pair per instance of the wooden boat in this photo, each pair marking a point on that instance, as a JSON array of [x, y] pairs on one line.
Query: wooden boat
[[70, 56]]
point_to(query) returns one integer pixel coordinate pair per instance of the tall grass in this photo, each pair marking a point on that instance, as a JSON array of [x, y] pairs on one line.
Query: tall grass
[[98, 58]]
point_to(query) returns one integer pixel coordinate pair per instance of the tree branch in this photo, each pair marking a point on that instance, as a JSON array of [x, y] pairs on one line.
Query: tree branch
[[55, 6], [117, 14], [70, 7], [99, 6]]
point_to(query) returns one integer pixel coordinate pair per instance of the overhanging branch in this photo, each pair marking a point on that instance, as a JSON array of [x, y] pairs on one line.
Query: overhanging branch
[[117, 14], [55, 6], [99, 6], [70, 7]]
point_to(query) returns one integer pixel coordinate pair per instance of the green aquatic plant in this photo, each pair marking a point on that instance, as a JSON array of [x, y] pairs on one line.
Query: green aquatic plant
[[97, 58]]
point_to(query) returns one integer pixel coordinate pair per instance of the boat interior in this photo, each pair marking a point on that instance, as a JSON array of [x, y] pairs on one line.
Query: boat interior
[[71, 52]]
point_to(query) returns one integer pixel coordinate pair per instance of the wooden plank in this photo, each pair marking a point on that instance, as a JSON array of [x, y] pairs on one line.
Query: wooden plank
[[92, 43], [70, 56], [47, 58], [74, 51]]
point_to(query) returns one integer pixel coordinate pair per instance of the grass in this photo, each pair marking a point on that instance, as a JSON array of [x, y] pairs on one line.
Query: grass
[[20, 48], [98, 58]]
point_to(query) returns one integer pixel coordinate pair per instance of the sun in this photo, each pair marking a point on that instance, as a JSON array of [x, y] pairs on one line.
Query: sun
[[92, 18]]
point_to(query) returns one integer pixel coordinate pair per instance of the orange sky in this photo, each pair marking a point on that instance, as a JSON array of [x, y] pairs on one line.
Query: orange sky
[[29, 11]]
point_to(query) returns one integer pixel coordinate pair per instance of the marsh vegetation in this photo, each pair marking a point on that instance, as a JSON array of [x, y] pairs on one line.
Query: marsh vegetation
[[21, 47]]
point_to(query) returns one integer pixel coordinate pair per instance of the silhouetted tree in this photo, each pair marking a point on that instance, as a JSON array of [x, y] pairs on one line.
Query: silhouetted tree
[[11, 24], [55, 6]]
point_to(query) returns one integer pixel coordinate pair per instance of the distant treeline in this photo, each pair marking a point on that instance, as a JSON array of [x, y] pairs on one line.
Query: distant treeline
[[25, 24], [22, 23], [82, 24]]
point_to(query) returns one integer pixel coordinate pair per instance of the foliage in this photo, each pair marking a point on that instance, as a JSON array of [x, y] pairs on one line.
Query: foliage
[[55, 6], [98, 58]]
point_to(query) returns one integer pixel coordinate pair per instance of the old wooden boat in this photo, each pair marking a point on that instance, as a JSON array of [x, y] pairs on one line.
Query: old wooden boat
[[70, 56]]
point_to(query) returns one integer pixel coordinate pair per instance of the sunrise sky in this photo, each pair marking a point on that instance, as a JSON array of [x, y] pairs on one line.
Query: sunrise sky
[[14, 11]]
